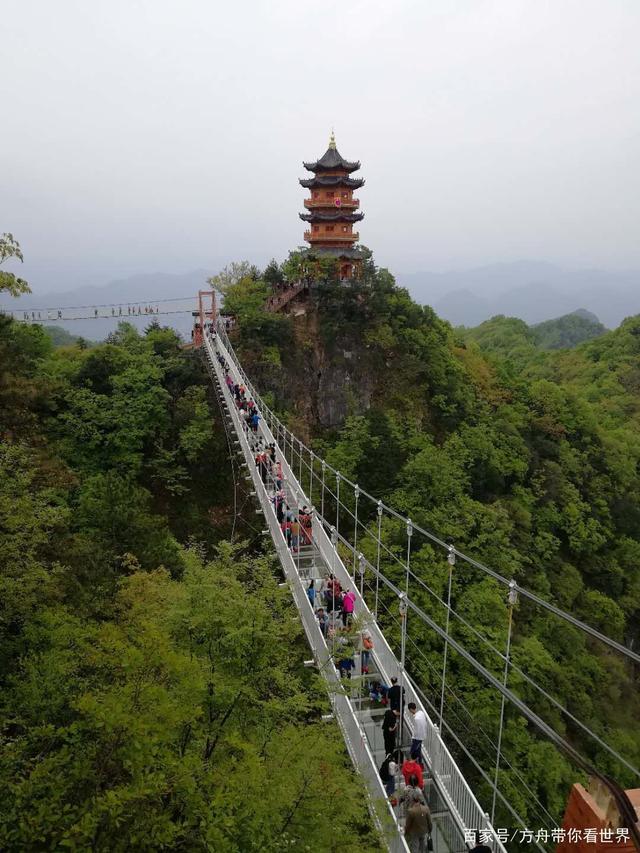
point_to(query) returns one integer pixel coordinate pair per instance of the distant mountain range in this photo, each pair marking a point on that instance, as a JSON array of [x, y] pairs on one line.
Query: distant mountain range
[[529, 290], [149, 288], [532, 291]]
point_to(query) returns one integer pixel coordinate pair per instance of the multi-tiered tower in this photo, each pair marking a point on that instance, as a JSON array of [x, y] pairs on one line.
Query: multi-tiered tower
[[333, 209]]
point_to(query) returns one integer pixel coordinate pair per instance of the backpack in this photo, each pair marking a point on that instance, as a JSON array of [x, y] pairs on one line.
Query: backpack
[[384, 770]]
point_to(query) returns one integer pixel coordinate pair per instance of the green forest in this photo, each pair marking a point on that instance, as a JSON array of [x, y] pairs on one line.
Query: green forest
[[152, 688], [523, 455]]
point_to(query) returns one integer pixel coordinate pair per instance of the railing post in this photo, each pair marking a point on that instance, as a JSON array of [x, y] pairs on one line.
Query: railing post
[[436, 759], [300, 469], [334, 543], [488, 826], [323, 469], [409, 535], [361, 570], [403, 610], [338, 503], [451, 561], [512, 599], [312, 457], [356, 493], [379, 541]]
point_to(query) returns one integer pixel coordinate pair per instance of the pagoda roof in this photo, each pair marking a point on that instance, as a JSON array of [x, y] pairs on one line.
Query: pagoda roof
[[332, 181], [317, 216], [332, 159]]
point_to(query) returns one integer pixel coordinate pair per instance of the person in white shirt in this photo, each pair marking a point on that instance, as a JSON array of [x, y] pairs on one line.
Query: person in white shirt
[[419, 731]]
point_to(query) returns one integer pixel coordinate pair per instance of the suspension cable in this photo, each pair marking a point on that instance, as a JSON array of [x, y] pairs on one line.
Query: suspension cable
[[622, 649], [467, 729], [622, 801], [625, 807]]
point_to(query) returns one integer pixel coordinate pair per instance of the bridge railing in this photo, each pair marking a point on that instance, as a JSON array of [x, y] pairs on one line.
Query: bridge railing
[[465, 809], [343, 709], [493, 665]]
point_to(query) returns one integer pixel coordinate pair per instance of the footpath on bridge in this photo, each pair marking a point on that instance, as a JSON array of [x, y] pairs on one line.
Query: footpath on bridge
[[455, 810]]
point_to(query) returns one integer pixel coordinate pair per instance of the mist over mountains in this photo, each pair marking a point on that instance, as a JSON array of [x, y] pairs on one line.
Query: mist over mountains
[[149, 288], [530, 290]]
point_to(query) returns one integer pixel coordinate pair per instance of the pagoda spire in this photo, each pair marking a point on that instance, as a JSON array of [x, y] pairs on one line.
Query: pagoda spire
[[332, 140]]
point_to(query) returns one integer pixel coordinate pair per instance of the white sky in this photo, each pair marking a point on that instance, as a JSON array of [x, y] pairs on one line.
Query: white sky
[[144, 135]]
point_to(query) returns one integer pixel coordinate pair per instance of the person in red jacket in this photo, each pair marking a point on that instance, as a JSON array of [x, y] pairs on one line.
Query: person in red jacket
[[348, 606], [412, 768]]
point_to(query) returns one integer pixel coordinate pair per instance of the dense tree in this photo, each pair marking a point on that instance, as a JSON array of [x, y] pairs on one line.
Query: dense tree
[[182, 722], [232, 275], [10, 248], [151, 697], [526, 459]]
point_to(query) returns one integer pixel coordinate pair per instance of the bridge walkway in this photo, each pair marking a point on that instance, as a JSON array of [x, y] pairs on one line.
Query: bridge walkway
[[358, 716]]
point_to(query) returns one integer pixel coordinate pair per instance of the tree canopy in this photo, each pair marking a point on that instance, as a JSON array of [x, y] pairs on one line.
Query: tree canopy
[[528, 459], [10, 248], [151, 673]]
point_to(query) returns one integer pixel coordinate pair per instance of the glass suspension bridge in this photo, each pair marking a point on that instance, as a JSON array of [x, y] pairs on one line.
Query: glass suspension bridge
[[350, 536], [348, 541]]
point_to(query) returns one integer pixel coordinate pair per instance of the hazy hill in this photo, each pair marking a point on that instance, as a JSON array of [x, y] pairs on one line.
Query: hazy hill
[[512, 338], [530, 290], [151, 287], [569, 330], [61, 338]]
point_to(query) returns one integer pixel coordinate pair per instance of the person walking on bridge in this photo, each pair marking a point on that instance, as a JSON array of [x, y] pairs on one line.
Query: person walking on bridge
[[348, 606], [333, 593], [311, 592], [389, 730], [396, 696], [418, 825], [295, 534], [388, 771], [412, 770], [419, 731], [367, 646], [411, 789], [277, 474]]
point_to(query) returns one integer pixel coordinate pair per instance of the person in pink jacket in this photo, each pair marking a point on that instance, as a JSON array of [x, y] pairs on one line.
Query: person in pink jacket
[[348, 606]]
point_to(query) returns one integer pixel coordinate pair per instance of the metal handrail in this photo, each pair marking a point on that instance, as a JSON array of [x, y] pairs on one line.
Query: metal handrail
[[448, 547], [353, 733], [456, 792]]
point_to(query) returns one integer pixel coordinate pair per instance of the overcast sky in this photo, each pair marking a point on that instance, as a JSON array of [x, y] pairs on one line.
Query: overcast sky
[[144, 135]]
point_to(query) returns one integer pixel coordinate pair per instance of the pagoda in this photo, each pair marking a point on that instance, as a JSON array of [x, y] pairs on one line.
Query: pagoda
[[332, 210]]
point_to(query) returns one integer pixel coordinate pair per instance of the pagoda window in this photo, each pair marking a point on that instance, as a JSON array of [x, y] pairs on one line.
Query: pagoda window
[[316, 227], [344, 228], [345, 195], [329, 227], [316, 194], [329, 194]]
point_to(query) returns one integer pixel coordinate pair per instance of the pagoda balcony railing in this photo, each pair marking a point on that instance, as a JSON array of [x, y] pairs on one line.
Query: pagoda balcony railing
[[330, 202], [330, 237]]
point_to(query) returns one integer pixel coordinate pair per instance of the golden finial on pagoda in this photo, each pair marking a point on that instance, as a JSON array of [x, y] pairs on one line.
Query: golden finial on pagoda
[[332, 139]]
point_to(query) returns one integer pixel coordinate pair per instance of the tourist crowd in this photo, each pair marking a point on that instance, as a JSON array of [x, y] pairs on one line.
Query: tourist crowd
[[334, 608]]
